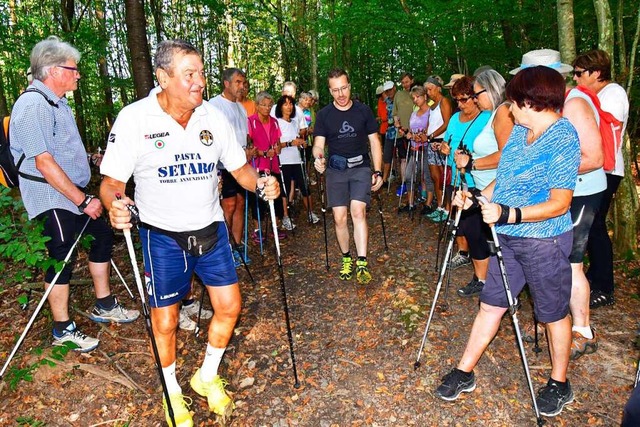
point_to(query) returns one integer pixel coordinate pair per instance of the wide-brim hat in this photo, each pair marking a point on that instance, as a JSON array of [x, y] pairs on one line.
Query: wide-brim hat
[[379, 90], [454, 78], [545, 57], [388, 85]]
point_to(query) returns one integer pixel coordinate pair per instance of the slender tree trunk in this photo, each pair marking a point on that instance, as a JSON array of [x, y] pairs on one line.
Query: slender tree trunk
[[314, 44], [622, 50], [138, 46], [156, 12], [103, 71], [605, 29], [566, 32], [625, 210], [286, 62], [4, 109]]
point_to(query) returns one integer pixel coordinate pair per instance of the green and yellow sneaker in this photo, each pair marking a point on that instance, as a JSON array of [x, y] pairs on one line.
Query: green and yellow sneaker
[[180, 408], [362, 272], [347, 268], [219, 401]]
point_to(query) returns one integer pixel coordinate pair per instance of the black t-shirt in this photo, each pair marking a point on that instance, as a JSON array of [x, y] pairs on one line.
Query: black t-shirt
[[347, 132]]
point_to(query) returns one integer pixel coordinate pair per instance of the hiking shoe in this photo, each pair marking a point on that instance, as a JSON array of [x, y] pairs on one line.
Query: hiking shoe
[[237, 259], [600, 299], [219, 401], [529, 334], [180, 409], [256, 238], [474, 287], [363, 276], [287, 224], [454, 383], [426, 211], [581, 345], [552, 398], [194, 308], [402, 190], [347, 268], [408, 208], [185, 322], [71, 334], [116, 314], [314, 218], [459, 260]]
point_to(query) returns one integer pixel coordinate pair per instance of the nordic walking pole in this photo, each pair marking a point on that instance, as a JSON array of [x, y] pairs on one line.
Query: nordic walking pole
[[393, 155], [113, 264], [253, 163], [246, 222], [235, 245], [42, 301], [276, 240], [445, 263], [145, 307], [305, 181], [320, 179], [513, 310], [384, 232]]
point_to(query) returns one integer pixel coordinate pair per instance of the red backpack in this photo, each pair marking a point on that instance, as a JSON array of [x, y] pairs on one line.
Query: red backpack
[[610, 131]]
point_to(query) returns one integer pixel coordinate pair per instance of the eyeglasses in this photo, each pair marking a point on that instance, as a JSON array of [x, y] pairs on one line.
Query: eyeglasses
[[578, 73], [477, 94], [463, 100], [337, 90], [66, 67]]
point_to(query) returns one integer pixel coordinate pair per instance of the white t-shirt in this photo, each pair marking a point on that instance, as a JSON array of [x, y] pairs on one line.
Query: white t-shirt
[[289, 155], [613, 99], [174, 168]]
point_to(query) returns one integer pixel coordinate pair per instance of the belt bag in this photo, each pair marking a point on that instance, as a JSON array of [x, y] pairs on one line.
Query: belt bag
[[340, 163], [196, 243]]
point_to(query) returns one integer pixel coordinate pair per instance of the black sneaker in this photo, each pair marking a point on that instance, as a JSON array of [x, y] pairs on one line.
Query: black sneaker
[[474, 287], [408, 208], [454, 383], [552, 398], [426, 210], [599, 299]]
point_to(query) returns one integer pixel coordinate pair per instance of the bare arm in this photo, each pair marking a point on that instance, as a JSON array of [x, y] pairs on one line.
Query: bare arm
[[581, 116], [447, 112], [502, 127], [119, 215], [58, 179], [558, 204], [318, 146], [247, 177]]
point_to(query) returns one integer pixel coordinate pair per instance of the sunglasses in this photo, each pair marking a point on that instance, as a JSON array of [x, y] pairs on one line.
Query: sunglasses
[[578, 73], [463, 100], [477, 94]]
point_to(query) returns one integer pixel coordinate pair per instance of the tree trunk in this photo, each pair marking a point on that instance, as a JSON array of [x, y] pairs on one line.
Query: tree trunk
[[138, 46], [605, 29], [4, 109], [622, 50], [103, 71], [314, 45], [156, 12], [625, 209], [566, 31]]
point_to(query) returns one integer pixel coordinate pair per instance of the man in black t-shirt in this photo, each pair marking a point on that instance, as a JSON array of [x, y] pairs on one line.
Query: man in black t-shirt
[[349, 129]]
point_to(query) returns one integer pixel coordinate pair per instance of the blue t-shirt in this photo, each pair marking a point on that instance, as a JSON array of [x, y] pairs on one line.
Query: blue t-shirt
[[528, 172], [466, 133]]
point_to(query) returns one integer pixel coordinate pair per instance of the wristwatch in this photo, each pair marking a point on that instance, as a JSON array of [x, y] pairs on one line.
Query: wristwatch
[[87, 199], [377, 173]]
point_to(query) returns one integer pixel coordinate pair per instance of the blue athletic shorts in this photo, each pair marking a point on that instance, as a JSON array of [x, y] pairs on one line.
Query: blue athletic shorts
[[168, 269], [543, 264]]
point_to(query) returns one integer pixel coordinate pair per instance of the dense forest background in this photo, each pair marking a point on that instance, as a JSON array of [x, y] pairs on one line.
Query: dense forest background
[[300, 40]]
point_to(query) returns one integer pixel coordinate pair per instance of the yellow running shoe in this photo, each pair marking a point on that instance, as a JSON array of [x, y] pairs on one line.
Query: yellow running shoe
[[180, 408], [219, 401], [362, 272], [347, 268]]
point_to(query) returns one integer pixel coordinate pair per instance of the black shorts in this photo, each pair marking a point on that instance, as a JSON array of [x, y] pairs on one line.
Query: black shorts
[[63, 227], [350, 184], [294, 172], [583, 211], [230, 187], [401, 146], [477, 233]]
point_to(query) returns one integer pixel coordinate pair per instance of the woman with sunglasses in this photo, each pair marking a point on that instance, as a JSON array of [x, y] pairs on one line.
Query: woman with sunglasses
[[489, 88], [464, 127]]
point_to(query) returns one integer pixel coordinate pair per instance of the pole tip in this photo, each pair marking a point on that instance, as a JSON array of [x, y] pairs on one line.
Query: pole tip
[[416, 365], [296, 385]]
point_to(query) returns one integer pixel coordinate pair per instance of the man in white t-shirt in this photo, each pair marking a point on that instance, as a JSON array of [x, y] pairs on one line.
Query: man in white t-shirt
[[233, 195], [593, 71], [171, 143]]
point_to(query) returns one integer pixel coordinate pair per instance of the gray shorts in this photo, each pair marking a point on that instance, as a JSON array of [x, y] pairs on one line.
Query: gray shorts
[[543, 264], [583, 210], [347, 185]]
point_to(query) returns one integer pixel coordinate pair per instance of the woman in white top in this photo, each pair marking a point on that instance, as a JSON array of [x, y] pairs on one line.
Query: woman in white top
[[291, 163]]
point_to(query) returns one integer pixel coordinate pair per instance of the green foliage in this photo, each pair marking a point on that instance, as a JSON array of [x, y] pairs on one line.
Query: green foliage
[[22, 245], [29, 421], [15, 375]]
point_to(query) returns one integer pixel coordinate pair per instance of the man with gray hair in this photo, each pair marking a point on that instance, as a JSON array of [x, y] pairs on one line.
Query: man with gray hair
[[54, 171]]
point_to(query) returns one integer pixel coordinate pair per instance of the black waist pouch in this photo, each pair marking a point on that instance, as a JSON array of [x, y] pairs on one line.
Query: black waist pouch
[[196, 243], [337, 162]]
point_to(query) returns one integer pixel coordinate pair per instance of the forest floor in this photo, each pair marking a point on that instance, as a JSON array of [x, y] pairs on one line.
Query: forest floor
[[355, 347]]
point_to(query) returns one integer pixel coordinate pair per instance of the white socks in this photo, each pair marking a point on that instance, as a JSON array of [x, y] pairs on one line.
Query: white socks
[[169, 374], [585, 331], [211, 362]]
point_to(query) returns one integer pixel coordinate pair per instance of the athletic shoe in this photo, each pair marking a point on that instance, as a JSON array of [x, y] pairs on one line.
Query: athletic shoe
[[363, 276], [454, 383], [314, 218], [237, 259], [287, 224], [459, 260], [438, 215], [408, 208], [194, 309], [180, 409], [474, 287], [402, 190], [247, 260], [71, 334], [116, 314], [218, 399], [600, 299], [426, 210], [185, 322], [347, 268], [281, 234], [552, 398], [255, 237], [582, 345]]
